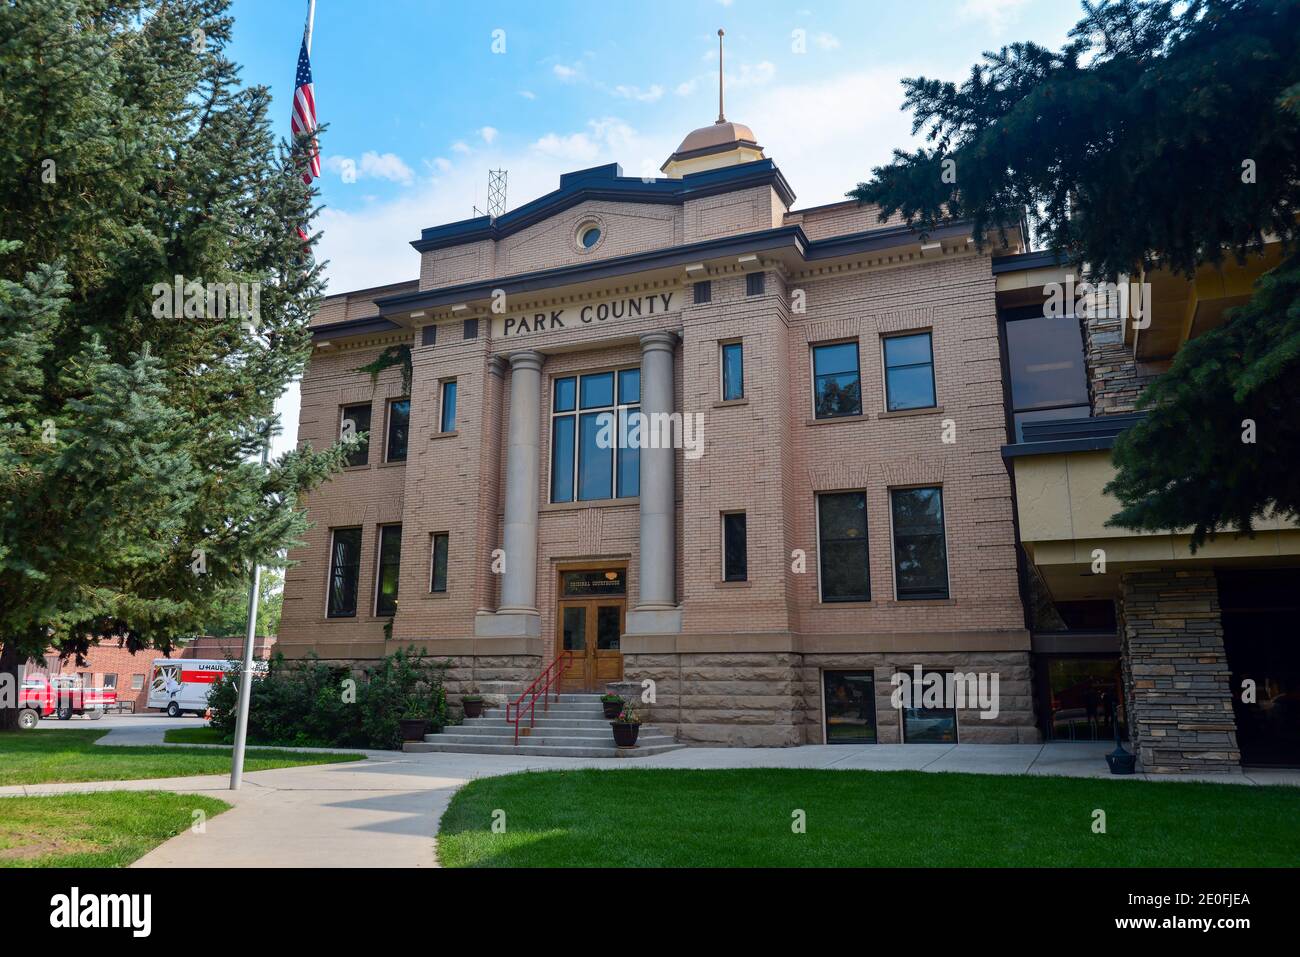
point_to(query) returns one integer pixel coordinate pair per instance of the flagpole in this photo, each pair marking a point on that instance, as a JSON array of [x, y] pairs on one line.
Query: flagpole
[[311, 23]]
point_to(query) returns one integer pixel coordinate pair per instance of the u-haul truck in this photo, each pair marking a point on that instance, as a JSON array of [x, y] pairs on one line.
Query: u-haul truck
[[182, 684]]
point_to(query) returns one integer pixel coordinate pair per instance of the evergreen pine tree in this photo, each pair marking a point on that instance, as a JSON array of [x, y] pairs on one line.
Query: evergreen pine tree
[[130, 423], [1160, 134]]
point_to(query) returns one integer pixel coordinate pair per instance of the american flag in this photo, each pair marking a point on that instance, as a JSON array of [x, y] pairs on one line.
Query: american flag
[[304, 110]]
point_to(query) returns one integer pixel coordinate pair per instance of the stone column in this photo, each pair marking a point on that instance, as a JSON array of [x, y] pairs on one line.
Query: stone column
[[518, 614], [1176, 674], [656, 611]]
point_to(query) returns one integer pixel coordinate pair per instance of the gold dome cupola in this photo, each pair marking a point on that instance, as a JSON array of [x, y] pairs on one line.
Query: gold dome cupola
[[722, 143]]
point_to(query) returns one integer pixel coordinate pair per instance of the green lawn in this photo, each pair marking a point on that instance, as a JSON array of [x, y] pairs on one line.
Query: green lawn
[[203, 735], [109, 829], [682, 818], [44, 757], [206, 735]]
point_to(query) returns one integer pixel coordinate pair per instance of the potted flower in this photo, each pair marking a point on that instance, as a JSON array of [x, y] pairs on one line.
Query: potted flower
[[414, 719], [472, 703], [612, 704], [626, 727]]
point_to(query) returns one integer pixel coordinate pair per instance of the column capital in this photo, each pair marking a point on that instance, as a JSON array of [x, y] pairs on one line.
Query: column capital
[[666, 340], [527, 360], [496, 365]]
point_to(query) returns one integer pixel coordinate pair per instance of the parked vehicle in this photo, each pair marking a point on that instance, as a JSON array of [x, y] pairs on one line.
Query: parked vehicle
[[178, 685], [61, 696]]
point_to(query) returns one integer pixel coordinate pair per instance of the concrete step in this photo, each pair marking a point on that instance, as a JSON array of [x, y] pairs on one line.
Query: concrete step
[[539, 723], [594, 730], [536, 750], [547, 740], [556, 707]]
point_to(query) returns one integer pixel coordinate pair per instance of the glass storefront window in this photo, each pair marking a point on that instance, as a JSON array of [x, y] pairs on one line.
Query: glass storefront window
[[850, 707], [1080, 694]]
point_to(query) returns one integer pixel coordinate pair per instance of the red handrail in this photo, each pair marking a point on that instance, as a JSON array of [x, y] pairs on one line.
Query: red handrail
[[549, 677]]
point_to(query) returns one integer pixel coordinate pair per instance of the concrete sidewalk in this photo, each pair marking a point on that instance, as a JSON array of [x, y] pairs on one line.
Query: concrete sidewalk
[[384, 811]]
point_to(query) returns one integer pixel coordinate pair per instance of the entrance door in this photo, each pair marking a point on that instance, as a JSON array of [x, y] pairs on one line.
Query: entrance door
[[591, 627]]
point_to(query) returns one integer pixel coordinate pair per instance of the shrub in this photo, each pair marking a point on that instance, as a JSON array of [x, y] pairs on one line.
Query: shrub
[[309, 704]]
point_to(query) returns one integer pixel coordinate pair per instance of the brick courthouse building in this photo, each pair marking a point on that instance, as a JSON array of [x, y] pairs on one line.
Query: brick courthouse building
[[889, 461], [822, 534]]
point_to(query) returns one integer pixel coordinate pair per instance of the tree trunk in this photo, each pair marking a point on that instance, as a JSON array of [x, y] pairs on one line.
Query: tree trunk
[[8, 676]]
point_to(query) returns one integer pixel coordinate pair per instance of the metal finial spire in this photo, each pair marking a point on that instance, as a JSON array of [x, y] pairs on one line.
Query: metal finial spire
[[721, 117]]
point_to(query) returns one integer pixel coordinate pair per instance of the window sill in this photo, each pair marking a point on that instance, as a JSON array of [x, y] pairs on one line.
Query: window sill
[[904, 602], [868, 603], [728, 403], [744, 584], [386, 465], [435, 596], [904, 413], [590, 503], [444, 435], [835, 419]]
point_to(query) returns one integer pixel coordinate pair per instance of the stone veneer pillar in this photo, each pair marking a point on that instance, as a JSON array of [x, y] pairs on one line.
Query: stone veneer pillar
[[1176, 675], [656, 611], [518, 613]]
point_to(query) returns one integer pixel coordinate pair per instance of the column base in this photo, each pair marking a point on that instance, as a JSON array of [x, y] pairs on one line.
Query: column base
[[508, 623], [654, 621]]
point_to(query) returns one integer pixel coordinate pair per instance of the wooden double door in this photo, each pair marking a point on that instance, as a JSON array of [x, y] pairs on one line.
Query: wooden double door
[[589, 626]]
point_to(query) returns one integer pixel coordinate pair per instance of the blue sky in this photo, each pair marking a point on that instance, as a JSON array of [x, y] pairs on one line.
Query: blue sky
[[421, 107]]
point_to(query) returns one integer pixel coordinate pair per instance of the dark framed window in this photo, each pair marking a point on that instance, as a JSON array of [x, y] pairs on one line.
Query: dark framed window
[[137, 682], [390, 561], [345, 569], [920, 548], [428, 335], [438, 576], [447, 417], [735, 559], [755, 282], [399, 426], [1045, 368], [110, 681], [355, 420], [930, 725], [837, 385], [850, 698], [909, 372], [733, 371], [592, 418], [842, 546], [703, 292]]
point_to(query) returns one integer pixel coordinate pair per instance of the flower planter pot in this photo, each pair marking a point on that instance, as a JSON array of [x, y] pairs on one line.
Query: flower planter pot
[[473, 709], [625, 734], [413, 729], [612, 708]]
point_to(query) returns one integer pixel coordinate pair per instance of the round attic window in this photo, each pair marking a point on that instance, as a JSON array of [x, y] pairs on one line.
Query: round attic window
[[588, 235]]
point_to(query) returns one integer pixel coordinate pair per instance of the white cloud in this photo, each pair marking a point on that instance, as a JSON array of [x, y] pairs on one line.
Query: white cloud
[[439, 164], [372, 165], [606, 135], [648, 95], [996, 15], [688, 87], [827, 41], [460, 146], [528, 94], [489, 134], [565, 72]]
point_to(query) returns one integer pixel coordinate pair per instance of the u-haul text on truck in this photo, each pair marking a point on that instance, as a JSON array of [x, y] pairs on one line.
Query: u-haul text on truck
[[179, 685]]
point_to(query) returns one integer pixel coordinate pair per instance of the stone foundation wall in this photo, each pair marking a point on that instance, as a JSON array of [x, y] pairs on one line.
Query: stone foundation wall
[[1176, 675], [775, 699]]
